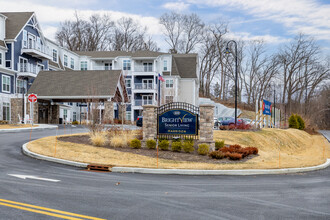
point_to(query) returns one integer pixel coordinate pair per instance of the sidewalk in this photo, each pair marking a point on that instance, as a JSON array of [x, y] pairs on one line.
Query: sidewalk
[[40, 127]]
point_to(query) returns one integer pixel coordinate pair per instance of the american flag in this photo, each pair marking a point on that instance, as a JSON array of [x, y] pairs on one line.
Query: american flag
[[161, 78]]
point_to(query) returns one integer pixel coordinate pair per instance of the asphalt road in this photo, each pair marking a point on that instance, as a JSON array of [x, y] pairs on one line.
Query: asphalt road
[[142, 196]]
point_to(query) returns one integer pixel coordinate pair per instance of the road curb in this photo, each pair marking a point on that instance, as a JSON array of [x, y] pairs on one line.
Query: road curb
[[29, 153], [13, 130], [181, 171], [220, 172]]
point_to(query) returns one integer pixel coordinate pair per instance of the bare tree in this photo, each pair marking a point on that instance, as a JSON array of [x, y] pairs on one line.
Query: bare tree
[[182, 32], [81, 35]]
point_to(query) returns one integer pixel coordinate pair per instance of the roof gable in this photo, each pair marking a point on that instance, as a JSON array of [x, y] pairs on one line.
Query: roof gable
[[184, 65], [15, 22], [73, 84]]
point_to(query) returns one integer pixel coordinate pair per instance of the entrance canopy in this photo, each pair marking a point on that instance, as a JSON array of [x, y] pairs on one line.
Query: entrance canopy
[[80, 86]]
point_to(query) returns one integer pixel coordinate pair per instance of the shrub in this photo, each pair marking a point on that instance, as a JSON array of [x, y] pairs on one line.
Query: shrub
[[188, 146], [164, 145], [293, 122], [151, 144], [234, 148], [135, 143], [75, 122], [176, 146], [231, 127], [203, 149], [243, 126], [301, 122], [234, 156], [219, 144], [217, 155], [98, 139], [118, 141], [224, 149], [252, 150]]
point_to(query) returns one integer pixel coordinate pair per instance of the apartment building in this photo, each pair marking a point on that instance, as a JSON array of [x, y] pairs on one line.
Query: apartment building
[[24, 51]]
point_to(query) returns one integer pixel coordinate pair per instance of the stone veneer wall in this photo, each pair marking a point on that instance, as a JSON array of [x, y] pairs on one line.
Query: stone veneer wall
[[16, 108], [108, 111], [122, 112], [206, 125], [149, 122]]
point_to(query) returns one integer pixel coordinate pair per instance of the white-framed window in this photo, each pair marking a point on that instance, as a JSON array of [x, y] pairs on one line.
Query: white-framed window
[[128, 115], [126, 65], [0, 58], [147, 67], [6, 111], [83, 65], [147, 99], [169, 83], [54, 55], [20, 86], [65, 114], [74, 116], [24, 39], [147, 83], [5, 83], [72, 63], [65, 60], [168, 99], [128, 83], [108, 66], [129, 98], [165, 65]]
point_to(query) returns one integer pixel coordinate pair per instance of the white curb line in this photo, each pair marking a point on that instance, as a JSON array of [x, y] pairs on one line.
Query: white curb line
[[42, 127], [181, 171], [29, 153]]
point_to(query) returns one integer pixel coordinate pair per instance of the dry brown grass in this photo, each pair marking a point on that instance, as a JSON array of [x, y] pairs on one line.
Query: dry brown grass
[[98, 138], [13, 126], [298, 149]]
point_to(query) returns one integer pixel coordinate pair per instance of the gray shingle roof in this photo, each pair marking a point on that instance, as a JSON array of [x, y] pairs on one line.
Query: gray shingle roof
[[15, 22], [184, 65], [76, 83], [2, 44], [112, 54]]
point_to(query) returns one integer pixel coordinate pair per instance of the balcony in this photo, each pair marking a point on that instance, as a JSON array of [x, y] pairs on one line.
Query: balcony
[[102, 67], [36, 50], [140, 102], [27, 70], [144, 69], [143, 86]]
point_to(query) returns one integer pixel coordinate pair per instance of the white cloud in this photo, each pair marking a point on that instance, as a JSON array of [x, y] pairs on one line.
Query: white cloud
[[245, 36], [176, 6], [296, 15], [51, 16]]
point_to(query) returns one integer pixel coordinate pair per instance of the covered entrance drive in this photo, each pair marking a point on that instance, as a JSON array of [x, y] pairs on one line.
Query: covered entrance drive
[[65, 96]]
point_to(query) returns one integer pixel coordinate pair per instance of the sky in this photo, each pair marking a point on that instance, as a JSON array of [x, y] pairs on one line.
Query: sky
[[274, 21]]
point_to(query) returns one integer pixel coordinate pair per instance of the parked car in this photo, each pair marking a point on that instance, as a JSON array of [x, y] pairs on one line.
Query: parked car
[[139, 121], [220, 119], [231, 121], [248, 121]]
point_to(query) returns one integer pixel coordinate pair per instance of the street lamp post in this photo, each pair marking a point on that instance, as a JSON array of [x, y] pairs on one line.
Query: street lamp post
[[236, 65]]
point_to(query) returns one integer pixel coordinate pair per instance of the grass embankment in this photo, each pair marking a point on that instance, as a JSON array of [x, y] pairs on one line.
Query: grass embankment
[[298, 149], [13, 126]]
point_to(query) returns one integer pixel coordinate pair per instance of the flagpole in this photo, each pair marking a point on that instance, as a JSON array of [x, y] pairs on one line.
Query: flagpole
[[158, 91]]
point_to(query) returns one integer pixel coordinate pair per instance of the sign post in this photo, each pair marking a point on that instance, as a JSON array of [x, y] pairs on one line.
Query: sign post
[[32, 99]]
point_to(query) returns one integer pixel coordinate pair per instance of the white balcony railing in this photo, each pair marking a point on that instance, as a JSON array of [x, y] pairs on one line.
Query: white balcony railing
[[28, 68], [143, 69], [143, 86], [102, 67], [144, 102], [36, 46]]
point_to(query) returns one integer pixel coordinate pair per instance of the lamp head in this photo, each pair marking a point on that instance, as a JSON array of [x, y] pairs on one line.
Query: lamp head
[[227, 51]]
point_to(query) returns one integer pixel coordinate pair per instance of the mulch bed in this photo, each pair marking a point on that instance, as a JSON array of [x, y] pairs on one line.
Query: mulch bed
[[169, 155]]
